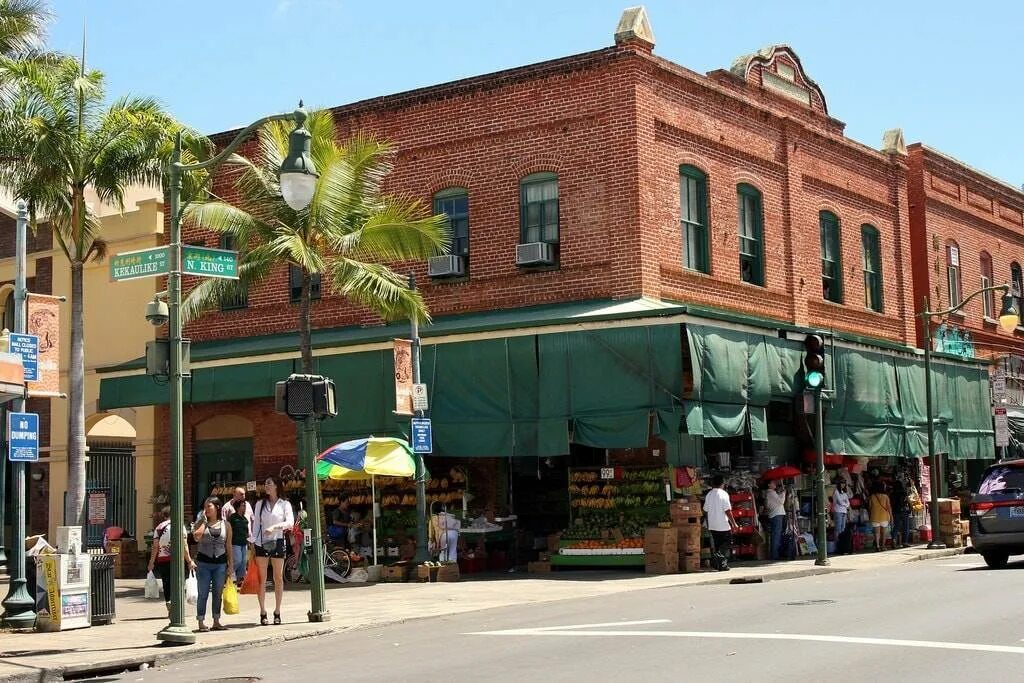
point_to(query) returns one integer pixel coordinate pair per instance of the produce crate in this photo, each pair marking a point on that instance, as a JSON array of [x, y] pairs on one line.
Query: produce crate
[[395, 573], [661, 564], [538, 567], [658, 540]]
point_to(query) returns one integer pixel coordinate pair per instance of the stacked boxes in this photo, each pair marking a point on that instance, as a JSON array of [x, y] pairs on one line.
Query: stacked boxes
[[950, 528], [686, 516], [661, 551], [395, 573], [126, 558]]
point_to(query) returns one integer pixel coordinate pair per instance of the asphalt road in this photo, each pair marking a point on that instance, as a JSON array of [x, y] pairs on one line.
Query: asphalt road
[[940, 620]]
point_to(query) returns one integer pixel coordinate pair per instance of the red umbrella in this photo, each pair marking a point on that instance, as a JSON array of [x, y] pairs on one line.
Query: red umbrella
[[783, 472]]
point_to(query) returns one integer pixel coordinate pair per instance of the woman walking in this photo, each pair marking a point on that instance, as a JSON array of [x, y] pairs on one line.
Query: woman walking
[[213, 553], [274, 516], [238, 513], [160, 558], [880, 512]]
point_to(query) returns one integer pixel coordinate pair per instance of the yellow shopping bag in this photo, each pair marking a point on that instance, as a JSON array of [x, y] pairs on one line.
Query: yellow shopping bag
[[230, 599]]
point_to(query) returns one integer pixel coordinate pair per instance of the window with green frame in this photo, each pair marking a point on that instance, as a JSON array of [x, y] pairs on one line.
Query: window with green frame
[[872, 267], [693, 212], [240, 300], [751, 234], [538, 208], [454, 204], [295, 284], [831, 257]]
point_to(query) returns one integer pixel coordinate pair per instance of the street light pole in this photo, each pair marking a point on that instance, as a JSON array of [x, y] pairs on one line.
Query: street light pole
[[1009, 318], [819, 409], [18, 605], [422, 553], [317, 595], [295, 191]]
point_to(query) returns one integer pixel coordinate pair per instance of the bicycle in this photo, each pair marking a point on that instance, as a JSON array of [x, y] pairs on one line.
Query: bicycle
[[337, 559]]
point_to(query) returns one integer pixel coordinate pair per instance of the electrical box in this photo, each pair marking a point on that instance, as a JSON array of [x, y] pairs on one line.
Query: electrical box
[[158, 358]]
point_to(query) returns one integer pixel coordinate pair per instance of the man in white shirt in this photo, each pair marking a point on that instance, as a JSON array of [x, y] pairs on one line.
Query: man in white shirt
[[775, 502], [721, 523]]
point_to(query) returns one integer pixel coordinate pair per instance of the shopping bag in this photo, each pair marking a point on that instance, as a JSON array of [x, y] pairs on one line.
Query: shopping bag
[[251, 584], [152, 587], [191, 589], [230, 598]]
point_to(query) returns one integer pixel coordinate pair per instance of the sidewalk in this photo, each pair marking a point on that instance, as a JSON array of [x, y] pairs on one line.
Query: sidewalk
[[130, 641]]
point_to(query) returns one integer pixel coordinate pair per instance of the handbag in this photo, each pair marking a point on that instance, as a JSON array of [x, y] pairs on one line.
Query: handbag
[[230, 598], [251, 583], [152, 591], [191, 589]]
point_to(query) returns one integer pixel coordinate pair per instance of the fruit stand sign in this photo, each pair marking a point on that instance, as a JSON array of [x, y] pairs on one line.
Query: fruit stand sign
[[206, 262], [132, 265]]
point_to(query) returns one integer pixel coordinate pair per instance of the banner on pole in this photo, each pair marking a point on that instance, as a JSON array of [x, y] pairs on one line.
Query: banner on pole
[[403, 377], [43, 321]]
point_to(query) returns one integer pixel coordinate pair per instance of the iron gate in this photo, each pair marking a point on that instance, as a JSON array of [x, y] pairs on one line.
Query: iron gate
[[112, 466]]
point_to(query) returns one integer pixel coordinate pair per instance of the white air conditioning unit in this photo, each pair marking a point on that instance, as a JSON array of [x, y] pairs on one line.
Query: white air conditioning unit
[[535, 254], [449, 265]]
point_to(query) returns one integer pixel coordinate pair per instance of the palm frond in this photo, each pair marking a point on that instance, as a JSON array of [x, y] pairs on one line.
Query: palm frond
[[378, 288], [399, 230], [210, 293], [224, 218], [23, 26]]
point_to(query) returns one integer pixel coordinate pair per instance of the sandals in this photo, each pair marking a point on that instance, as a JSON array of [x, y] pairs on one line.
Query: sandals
[[203, 628], [263, 619], [218, 627], [277, 618]]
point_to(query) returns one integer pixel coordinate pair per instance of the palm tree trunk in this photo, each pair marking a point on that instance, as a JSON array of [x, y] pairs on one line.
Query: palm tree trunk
[[74, 507], [305, 336]]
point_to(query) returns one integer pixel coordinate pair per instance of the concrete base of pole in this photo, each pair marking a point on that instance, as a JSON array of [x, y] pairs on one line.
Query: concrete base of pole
[[176, 635], [936, 545], [318, 617], [19, 606], [3, 556]]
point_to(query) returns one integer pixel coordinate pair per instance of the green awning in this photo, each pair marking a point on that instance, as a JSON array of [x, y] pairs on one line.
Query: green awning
[[865, 417]]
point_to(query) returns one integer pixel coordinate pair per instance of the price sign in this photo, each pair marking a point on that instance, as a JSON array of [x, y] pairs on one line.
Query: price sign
[[607, 472], [250, 486]]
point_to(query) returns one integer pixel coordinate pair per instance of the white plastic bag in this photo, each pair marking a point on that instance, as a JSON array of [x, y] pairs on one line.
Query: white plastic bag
[[152, 587], [191, 589]]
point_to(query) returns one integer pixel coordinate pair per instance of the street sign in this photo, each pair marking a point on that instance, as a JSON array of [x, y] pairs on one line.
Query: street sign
[[132, 265], [1002, 425], [27, 346], [23, 433], [419, 397], [207, 262], [998, 386], [422, 436]]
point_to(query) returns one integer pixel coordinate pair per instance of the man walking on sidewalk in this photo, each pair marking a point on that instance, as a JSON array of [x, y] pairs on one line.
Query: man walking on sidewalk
[[718, 510]]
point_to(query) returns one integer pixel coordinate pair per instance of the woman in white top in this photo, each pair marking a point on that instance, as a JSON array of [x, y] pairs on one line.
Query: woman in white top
[[840, 507], [274, 516]]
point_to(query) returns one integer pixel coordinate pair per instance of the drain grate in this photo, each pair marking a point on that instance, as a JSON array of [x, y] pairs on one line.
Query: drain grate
[[806, 603]]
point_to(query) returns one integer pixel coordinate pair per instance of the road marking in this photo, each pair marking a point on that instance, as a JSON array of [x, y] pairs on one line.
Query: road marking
[[963, 564], [579, 631], [602, 625]]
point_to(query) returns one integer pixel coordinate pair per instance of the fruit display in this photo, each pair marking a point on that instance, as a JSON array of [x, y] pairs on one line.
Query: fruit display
[[627, 546], [626, 490], [392, 492]]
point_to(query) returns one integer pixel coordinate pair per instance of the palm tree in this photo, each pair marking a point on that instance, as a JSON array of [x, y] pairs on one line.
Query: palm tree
[[347, 235], [22, 25], [65, 140]]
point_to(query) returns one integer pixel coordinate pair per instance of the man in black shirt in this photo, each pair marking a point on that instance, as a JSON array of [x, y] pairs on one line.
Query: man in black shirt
[[341, 520]]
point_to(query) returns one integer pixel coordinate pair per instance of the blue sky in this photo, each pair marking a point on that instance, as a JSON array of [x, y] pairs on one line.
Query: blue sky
[[944, 72]]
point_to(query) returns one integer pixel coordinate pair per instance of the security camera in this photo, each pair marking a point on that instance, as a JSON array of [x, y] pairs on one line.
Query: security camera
[[156, 313]]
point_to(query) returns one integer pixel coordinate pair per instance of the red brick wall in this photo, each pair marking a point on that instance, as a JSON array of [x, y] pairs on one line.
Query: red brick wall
[[951, 201]]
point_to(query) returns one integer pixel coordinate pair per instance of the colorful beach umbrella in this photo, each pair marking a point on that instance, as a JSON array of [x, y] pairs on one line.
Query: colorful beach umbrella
[[364, 458]]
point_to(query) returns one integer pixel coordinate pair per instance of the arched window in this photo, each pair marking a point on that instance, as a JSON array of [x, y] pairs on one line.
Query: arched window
[[871, 248], [538, 208], [750, 225], [1016, 284], [831, 257], [988, 300], [693, 218], [953, 282], [453, 202], [8, 321]]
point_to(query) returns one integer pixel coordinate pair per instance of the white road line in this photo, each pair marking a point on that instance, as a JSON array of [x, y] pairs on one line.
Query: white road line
[[846, 640], [963, 564], [607, 623]]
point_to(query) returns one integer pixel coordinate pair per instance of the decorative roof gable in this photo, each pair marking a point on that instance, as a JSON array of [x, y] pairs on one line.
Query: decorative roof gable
[[777, 69]]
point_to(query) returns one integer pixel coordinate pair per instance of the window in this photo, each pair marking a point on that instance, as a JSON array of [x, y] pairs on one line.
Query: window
[[538, 208], [953, 274], [295, 284], [988, 301], [872, 268], [1016, 284], [751, 232], [454, 203], [831, 258], [241, 299], [693, 213]]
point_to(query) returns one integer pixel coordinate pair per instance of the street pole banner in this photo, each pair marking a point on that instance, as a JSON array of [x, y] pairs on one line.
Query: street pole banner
[[44, 323], [403, 377]]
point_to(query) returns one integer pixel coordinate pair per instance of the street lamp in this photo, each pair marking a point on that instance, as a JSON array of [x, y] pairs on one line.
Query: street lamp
[[1009, 318], [298, 195]]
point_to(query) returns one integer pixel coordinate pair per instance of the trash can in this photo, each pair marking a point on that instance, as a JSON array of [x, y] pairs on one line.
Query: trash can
[[101, 582]]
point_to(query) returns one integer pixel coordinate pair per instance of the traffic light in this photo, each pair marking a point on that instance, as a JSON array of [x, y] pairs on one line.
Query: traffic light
[[302, 396], [814, 361]]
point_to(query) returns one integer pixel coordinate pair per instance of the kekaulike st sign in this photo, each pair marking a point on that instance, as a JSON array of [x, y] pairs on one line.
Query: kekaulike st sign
[[143, 263]]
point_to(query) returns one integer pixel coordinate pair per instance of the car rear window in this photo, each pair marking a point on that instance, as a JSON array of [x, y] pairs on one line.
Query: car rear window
[[1003, 478]]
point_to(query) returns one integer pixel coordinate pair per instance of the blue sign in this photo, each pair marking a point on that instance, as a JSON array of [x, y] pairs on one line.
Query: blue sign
[[23, 430], [27, 346], [422, 436]]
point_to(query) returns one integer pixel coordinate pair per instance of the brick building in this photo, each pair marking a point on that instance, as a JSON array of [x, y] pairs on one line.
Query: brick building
[[645, 249]]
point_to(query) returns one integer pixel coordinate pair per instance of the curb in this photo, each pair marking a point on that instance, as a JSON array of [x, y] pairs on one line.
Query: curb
[[163, 655]]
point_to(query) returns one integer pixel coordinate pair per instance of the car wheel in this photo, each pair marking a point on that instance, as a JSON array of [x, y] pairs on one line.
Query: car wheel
[[996, 560]]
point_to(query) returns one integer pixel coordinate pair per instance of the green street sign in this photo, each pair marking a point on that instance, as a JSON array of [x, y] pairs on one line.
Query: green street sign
[[207, 262], [143, 263]]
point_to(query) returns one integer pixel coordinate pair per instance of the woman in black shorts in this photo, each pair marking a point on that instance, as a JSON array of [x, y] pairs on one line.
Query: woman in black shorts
[[274, 516]]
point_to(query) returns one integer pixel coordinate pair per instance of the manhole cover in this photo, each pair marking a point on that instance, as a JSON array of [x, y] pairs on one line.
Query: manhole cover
[[804, 603], [233, 679]]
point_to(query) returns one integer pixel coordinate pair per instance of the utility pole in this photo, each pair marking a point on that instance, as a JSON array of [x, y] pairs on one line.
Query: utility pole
[[819, 442], [422, 555], [18, 605]]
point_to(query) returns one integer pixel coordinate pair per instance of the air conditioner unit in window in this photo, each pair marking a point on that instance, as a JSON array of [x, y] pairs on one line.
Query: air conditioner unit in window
[[449, 265], [535, 254]]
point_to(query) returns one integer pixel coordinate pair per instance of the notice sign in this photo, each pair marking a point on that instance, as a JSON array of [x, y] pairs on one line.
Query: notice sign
[[419, 397], [422, 436], [23, 429], [27, 346], [403, 377], [97, 507], [1002, 425], [44, 324]]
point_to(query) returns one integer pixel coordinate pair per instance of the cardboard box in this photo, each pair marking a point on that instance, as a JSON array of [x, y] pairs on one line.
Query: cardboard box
[[685, 509], [949, 506], [395, 573], [659, 541], [689, 563], [948, 519], [965, 527], [688, 539], [553, 541], [448, 573], [543, 557], [661, 564], [538, 567]]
